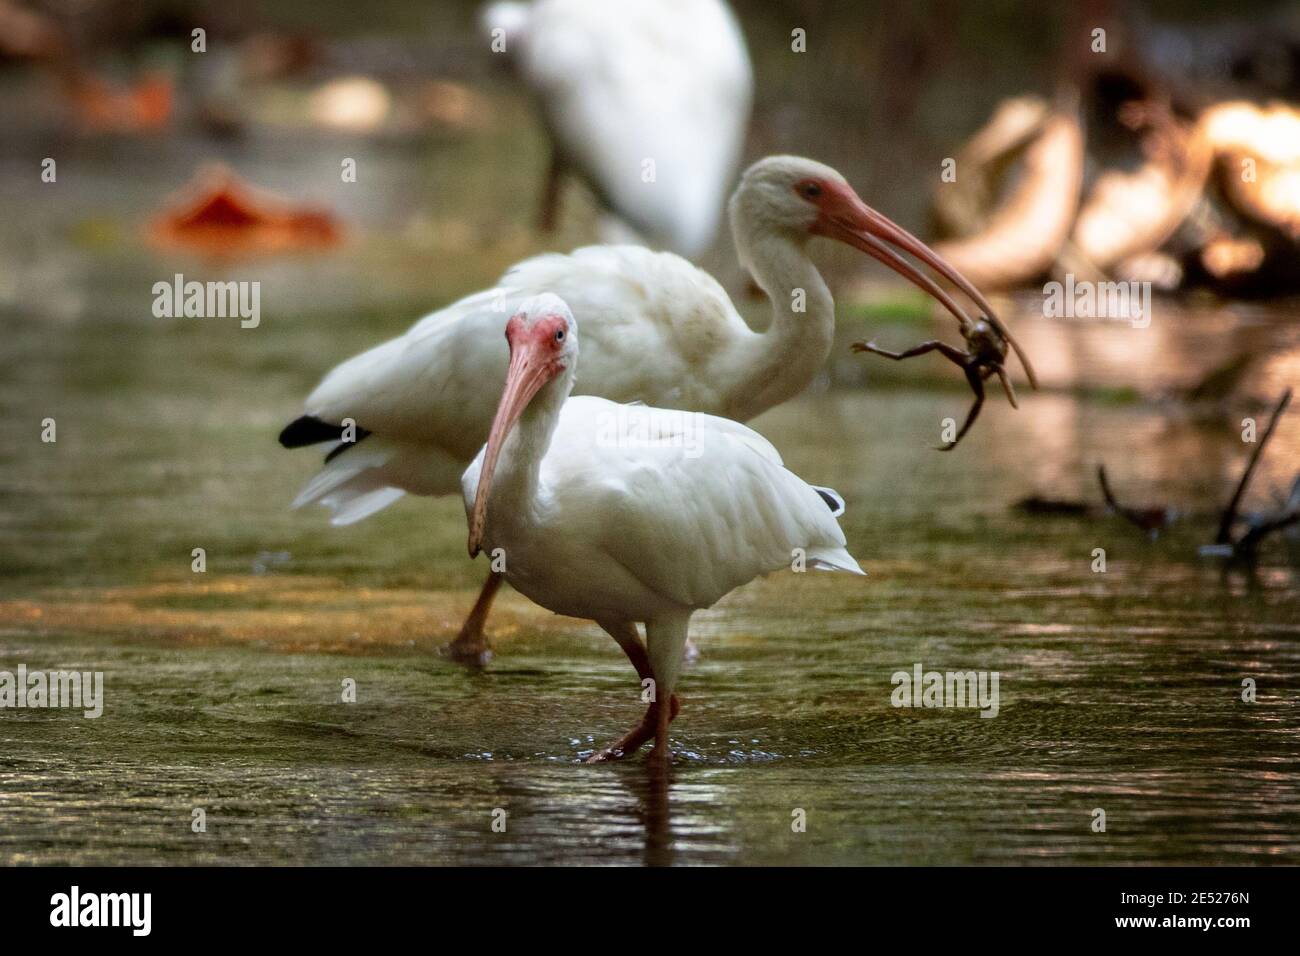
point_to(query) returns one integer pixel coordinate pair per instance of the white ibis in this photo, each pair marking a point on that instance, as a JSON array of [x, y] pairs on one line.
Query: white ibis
[[646, 102], [625, 514], [657, 330]]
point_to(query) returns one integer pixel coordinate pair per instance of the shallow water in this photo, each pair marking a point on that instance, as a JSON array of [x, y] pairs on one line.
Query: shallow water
[[1119, 690]]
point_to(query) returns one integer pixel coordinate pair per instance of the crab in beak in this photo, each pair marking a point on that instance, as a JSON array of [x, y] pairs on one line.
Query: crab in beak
[[846, 218]]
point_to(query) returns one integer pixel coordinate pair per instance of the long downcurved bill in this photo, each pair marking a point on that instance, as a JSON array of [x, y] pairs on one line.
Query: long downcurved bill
[[863, 228], [527, 374]]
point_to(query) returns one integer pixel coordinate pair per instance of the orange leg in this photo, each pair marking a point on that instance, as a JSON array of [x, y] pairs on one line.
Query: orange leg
[[470, 646], [631, 742], [626, 636], [660, 754]]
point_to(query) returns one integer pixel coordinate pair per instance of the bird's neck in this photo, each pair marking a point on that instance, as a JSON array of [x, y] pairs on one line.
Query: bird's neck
[[779, 363], [520, 465]]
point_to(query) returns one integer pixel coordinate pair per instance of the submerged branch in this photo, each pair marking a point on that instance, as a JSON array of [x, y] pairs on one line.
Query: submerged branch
[[1230, 512]]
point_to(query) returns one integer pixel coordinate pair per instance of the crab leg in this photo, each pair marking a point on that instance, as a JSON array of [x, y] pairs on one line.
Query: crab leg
[[977, 386]]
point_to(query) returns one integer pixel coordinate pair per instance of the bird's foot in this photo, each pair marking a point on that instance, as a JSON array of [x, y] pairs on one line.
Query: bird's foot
[[628, 744], [632, 741], [612, 752], [469, 649]]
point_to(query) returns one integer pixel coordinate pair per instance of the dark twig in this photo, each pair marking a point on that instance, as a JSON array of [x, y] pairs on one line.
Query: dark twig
[[1230, 512], [1245, 549], [1106, 492], [1150, 520]]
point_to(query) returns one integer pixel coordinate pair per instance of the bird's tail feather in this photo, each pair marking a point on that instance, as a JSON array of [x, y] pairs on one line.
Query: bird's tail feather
[[352, 503], [375, 473], [833, 559], [353, 486]]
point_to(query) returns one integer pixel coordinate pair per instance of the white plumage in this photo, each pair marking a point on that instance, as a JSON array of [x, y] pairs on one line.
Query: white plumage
[[429, 395], [623, 82], [625, 514], [640, 510], [656, 329]]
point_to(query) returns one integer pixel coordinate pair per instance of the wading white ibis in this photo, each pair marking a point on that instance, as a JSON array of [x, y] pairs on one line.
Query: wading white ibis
[[645, 102], [626, 513], [657, 330]]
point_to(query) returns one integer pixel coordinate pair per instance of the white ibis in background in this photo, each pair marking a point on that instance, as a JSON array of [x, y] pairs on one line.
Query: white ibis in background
[[657, 330], [646, 102], [627, 513]]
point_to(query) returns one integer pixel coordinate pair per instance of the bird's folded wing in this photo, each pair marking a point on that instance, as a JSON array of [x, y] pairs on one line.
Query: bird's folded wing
[[648, 321], [693, 505]]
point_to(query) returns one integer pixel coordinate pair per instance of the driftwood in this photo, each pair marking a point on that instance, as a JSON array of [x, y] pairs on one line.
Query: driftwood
[[1245, 548], [1242, 549], [963, 206], [1215, 201], [1259, 155], [1023, 236], [1129, 214]]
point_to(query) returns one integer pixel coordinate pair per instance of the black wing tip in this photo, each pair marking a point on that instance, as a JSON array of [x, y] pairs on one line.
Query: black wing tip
[[832, 500], [308, 430]]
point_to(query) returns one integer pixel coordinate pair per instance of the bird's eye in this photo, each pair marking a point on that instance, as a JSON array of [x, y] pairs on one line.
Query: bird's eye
[[559, 335], [810, 190]]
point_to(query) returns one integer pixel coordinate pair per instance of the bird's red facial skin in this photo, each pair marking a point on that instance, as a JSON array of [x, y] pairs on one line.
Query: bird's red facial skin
[[539, 339], [833, 200], [535, 352]]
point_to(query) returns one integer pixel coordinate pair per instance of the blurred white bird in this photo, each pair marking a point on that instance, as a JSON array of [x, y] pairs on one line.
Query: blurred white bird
[[623, 513], [646, 102], [657, 330]]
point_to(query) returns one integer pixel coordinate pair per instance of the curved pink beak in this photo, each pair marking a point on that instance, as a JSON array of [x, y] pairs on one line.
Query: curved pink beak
[[529, 370], [851, 221]]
